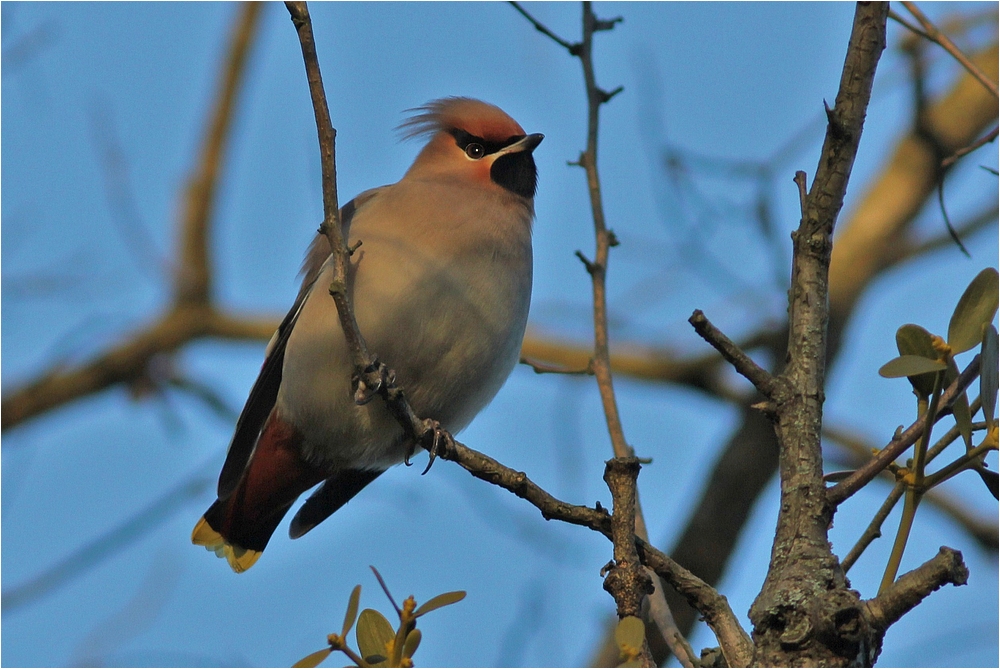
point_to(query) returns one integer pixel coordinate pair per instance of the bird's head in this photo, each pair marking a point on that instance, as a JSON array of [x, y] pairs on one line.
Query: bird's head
[[475, 141]]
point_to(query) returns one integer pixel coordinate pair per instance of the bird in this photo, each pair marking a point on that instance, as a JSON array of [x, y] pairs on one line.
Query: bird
[[440, 285]]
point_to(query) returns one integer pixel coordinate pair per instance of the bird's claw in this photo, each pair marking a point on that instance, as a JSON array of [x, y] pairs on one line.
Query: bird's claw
[[438, 436], [363, 393]]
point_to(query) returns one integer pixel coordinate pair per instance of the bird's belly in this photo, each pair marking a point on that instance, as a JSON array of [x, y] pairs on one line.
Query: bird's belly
[[451, 333]]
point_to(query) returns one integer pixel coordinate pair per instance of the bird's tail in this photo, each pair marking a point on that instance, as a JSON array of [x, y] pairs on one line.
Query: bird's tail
[[239, 526]]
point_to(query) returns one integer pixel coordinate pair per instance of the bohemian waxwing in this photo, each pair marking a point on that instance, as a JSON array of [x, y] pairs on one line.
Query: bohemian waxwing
[[440, 289]]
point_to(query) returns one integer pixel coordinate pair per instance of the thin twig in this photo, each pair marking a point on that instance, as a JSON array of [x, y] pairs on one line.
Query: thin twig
[[874, 529], [545, 368], [600, 363], [900, 442], [964, 151], [859, 452], [331, 227], [661, 616], [572, 48], [901, 20], [933, 34], [703, 597], [754, 373], [123, 536]]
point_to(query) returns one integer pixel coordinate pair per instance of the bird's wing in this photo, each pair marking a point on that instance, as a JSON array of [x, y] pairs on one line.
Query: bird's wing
[[265, 389], [333, 494], [319, 249]]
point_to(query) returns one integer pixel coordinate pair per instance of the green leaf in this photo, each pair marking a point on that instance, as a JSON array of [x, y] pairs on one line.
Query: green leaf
[[975, 310], [834, 477], [374, 632], [991, 479], [352, 611], [910, 365], [411, 643], [914, 340], [444, 599], [988, 375], [960, 408], [629, 635], [314, 659]]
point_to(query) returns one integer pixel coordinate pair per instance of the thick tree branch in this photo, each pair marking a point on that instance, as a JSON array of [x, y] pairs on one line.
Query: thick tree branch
[[194, 274], [804, 591], [192, 316], [877, 229], [128, 362]]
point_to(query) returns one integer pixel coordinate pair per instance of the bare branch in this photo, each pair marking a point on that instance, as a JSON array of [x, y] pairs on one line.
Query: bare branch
[[86, 557], [966, 150], [626, 579], [800, 542], [574, 49], [192, 315], [600, 363], [933, 34], [715, 608], [912, 587], [754, 373], [736, 644], [331, 227], [194, 276]]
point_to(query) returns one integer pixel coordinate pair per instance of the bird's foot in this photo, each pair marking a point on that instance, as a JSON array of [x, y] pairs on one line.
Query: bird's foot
[[368, 384], [440, 440]]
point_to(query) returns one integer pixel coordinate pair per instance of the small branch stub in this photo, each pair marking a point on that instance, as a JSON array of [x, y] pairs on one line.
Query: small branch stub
[[912, 587], [627, 581]]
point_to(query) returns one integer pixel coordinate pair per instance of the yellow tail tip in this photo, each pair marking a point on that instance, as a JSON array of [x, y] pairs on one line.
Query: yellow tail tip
[[239, 559]]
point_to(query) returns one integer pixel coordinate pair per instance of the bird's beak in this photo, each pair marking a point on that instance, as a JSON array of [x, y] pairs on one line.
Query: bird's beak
[[527, 144]]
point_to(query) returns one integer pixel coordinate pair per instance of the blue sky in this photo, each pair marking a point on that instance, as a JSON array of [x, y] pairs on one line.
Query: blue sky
[[734, 81]]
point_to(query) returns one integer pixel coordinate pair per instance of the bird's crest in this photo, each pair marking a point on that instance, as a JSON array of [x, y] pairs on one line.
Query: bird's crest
[[475, 117]]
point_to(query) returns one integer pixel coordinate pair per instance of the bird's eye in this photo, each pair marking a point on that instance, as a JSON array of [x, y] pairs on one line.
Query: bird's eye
[[475, 151]]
